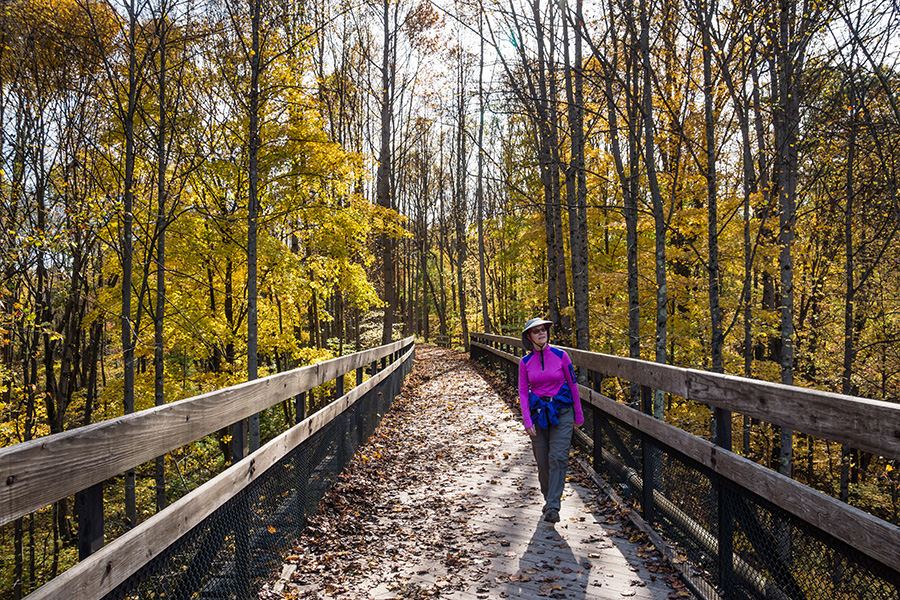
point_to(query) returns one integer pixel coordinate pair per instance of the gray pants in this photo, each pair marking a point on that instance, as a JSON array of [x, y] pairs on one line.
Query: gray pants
[[551, 451]]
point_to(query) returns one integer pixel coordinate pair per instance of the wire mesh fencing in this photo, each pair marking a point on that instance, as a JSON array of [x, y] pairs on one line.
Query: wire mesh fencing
[[739, 544]]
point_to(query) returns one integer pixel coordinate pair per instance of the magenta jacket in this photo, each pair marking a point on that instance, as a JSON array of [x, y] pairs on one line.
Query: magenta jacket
[[543, 373]]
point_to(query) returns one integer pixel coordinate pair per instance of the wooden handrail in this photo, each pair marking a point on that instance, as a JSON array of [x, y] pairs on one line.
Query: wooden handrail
[[30, 472], [870, 425]]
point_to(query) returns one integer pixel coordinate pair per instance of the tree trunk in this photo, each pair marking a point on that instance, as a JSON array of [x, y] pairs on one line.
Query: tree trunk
[[383, 180], [658, 210], [576, 182], [460, 203], [630, 198], [849, 297], [479, 192], [442, 244], [253, 216], [128, 335], [555, 210], [786, 125], [538, 96], [159, 358], [721, 418]]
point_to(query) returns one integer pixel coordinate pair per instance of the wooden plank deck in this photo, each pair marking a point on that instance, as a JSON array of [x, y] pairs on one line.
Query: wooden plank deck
[[485, 538]]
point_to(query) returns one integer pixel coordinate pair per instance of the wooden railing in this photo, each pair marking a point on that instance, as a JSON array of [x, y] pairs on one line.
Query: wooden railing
[[869, 425], [43, 471]]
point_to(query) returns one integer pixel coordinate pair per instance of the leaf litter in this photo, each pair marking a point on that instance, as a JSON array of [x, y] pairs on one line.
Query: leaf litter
[[432, 507]]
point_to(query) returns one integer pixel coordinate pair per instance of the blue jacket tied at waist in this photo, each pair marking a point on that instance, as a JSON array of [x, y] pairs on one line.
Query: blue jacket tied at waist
[[545, 409]]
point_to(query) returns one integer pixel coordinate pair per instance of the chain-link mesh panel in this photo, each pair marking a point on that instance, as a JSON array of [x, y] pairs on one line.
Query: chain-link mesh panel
[[740, 546], [243, 543]]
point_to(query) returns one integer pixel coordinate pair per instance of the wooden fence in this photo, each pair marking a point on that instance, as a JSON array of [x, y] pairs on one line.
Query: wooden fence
[[45, 470]]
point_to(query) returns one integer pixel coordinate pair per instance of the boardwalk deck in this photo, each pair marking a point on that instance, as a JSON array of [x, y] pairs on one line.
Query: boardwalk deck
[[465, 523]]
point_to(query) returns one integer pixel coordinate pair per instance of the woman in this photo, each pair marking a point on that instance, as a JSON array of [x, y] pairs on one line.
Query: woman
[[551, 409]]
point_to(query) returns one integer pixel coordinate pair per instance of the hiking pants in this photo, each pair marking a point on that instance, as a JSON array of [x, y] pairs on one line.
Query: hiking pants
[[551, 451]]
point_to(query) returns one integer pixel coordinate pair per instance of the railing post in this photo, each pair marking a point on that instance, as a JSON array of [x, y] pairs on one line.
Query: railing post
[[339, 387], [238, 440], [723, 428], [723, 509], [89, 506], [343, 439], [359, 375], [647, 457], [599, 467], [242, 546], [300, 406]]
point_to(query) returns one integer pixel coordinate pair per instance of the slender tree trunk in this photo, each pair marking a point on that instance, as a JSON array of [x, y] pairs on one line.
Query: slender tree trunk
[[442, 243], [786, 125], [479, 192], [253, 215], [158, 358], [746, 294], [558, 248], [383, 182], [662, 315], [229, 315], [539, 97], [627, 178], [576, 181], [460, 216], [721, 418], [849, 297], [742, 105], [128, 335], [630, 198], [767, 299]]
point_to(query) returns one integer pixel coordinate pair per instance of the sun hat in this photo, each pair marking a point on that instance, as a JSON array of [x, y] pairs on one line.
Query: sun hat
[[531, 324]]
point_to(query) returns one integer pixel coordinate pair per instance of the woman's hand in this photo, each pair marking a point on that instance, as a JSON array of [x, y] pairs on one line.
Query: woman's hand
[[531, 431]]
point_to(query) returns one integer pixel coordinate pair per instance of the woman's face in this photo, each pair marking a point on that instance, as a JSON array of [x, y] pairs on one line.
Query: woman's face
[[538, 335]]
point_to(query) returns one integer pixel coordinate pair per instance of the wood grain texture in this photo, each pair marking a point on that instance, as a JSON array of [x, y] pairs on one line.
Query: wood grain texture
[[107, 568], [870, 425], [30, 472]]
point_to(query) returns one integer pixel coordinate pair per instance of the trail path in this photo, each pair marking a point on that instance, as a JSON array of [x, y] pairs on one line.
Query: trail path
[[443, 502]]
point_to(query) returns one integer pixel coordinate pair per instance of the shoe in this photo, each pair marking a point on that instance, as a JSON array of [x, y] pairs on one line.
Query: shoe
[[552, 516]]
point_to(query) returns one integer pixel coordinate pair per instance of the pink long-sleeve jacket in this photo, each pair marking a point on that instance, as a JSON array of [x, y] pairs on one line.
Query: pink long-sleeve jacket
[[543, 373]]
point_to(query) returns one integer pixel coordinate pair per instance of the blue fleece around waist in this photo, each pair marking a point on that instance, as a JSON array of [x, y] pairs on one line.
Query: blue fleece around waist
[[545, 410]]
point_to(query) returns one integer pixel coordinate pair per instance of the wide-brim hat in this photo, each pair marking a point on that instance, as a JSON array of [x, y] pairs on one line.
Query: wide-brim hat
[[531, 324]]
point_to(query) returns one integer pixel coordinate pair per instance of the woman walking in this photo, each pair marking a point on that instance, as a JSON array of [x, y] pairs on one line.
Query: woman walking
[[551, 409]]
